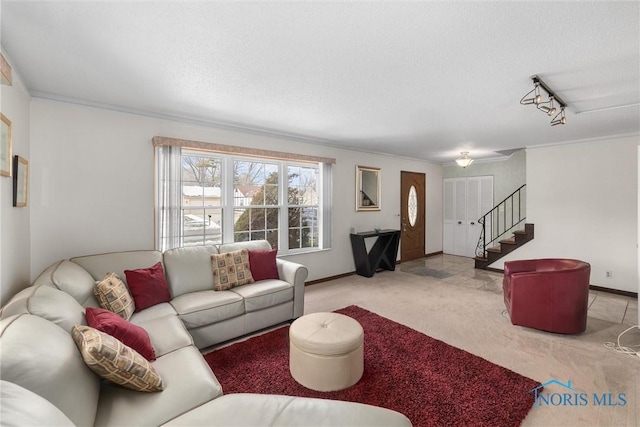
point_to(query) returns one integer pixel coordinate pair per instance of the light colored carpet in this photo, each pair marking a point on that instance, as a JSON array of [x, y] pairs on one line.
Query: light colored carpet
[[447, 299]]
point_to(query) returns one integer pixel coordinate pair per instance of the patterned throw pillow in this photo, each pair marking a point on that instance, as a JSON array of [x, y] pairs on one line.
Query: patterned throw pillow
[[231, 269], [114, 361], [112, 294]]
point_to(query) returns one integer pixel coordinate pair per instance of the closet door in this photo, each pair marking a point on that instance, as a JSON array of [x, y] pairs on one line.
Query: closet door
[[465, 201], [473, 213], [448, 229], [479, 202], [460, 211]]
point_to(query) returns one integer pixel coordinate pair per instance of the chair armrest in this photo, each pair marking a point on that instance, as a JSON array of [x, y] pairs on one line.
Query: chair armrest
[[518, 266], [296, 274]]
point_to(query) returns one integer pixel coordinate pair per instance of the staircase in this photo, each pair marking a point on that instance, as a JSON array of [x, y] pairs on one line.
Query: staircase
[[520, 237], [497, 223]]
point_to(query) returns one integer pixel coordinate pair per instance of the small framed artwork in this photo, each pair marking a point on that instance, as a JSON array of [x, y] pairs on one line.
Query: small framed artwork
[[20, 181], [5, 146]]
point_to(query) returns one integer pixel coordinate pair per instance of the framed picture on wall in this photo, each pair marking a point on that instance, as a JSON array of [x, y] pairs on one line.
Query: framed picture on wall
[[5, 146], [367, 188], [20, 181]]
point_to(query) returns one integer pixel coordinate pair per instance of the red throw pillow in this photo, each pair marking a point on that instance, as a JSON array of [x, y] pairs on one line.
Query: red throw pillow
[[263, 264], [131, 335], [148, 286]]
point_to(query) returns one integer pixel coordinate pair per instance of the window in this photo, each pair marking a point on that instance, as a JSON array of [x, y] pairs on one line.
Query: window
[[302, 213], [256, 201], [206, 198], [201, 200]]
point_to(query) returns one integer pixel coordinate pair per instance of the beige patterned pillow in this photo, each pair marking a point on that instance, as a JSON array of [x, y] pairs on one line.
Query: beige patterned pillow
[[112, 294], [231, 269], [114, 361]]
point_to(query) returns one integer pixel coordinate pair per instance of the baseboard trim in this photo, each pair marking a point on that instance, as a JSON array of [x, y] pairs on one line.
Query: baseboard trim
[[614, 291], [340, 276], [495, 270], [328, 279], [433, 254]]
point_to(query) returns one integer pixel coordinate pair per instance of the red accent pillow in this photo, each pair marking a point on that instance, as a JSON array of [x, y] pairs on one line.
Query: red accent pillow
[[148, 286], [263, 264], [131, 335]]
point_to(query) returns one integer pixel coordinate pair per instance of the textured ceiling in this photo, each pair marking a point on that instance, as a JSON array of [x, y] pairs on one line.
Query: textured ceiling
[[417, 79]]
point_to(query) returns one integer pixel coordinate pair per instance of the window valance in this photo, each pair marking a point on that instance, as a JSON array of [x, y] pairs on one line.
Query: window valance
[[162, 141]]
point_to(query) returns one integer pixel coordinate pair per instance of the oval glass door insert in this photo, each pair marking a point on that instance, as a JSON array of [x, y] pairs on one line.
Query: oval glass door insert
[[413, 205]]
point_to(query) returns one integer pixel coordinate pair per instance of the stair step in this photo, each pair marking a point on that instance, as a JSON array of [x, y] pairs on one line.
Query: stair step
[[495, 250], [511, 241]]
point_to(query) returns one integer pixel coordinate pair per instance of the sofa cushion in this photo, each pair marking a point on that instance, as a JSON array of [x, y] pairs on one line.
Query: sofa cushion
[[42, 357], [71, 279], [265, 293], [148, 286], [263, 264], [207, 307], [250, 245], [21, 407], [131, 335], [101, 264], [189, 384], [114, 361], [231, 269], [112, 294], [271, 410], [188, 269], [154, 312], [167, 334], [49, 303]]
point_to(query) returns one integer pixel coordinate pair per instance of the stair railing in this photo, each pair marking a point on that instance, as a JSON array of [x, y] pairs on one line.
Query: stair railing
[[501, 219]]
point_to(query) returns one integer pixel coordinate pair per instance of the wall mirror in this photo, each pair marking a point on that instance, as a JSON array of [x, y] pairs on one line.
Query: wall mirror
[[367, 188]]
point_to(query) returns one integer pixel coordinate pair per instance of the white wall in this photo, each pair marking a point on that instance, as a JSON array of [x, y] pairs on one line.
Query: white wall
[[582, 199], [508, 174], [15, 244], [92, 185]]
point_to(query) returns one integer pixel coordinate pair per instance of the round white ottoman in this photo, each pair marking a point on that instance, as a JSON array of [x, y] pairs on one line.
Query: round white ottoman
[[326, 351]]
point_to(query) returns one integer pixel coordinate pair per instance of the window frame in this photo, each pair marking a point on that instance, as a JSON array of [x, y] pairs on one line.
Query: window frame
[[227, 201]]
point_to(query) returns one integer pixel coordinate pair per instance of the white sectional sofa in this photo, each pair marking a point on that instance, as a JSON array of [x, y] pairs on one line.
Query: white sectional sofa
[[45, 380]]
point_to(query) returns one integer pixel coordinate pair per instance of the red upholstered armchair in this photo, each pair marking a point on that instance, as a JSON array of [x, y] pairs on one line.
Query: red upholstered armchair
[[547, 294]]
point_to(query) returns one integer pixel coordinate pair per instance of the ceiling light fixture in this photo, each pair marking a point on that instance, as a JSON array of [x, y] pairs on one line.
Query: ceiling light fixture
[[559, 119], [464, 159], [553, 99], [536, 96], [549, 110]]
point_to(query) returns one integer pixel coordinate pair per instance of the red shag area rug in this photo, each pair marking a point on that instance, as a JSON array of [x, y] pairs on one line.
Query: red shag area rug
[[431, 382]]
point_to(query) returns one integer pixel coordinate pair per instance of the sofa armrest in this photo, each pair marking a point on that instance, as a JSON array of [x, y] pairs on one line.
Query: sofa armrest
[[296, 274]]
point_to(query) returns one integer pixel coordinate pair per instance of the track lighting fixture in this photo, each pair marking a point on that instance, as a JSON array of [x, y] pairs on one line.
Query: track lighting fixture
[[464, 159], [559, 119], [549, 110], [547, 107], [536, 96]]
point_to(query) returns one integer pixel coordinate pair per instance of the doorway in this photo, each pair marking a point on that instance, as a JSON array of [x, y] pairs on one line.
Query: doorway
[[412, 215]]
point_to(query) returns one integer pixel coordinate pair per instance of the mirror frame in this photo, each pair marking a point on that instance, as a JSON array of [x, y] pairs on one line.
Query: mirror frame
[[364, 203]]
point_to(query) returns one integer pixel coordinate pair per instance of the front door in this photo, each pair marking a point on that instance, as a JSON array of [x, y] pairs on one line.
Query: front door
[[412, 214]]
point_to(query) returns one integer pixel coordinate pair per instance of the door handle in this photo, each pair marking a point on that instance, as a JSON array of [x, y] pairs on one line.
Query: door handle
[[473, 223], [459, 222]]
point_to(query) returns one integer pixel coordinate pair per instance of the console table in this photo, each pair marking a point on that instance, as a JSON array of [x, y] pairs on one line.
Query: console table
[[383, 254]]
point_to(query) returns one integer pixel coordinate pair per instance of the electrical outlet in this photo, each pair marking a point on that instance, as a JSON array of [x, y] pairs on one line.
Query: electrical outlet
[[609, 274]]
